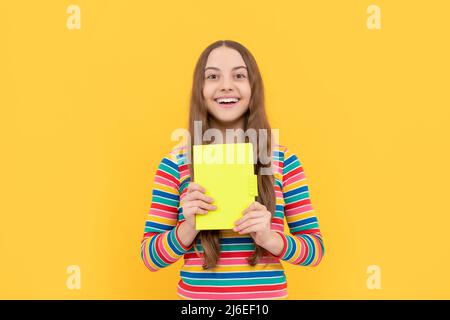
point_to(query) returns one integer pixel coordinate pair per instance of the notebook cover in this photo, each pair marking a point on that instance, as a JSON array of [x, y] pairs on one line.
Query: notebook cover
[[226, 171]]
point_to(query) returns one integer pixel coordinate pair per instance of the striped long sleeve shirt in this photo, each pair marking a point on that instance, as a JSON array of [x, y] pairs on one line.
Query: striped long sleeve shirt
[[233, 277]]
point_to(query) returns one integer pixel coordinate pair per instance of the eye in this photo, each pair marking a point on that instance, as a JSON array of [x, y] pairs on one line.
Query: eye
[[241, 74], [211, 75]]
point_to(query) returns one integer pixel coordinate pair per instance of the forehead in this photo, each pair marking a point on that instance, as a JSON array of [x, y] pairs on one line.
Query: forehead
[[224, 58]]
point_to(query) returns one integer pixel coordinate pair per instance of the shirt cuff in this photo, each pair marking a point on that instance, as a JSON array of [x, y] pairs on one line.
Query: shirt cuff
[[178, 238]]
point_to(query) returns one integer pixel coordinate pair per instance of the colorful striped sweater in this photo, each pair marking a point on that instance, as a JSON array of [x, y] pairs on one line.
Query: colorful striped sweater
[[233, 277]]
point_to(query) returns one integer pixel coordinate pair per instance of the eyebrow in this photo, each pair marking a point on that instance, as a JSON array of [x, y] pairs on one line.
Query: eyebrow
[[238, 67]]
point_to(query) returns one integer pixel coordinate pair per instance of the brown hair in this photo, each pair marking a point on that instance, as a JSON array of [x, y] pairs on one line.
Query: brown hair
[[255, 118]]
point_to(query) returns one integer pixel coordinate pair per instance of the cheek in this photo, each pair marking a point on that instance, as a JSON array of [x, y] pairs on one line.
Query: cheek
[[246, 91], [208, 91]]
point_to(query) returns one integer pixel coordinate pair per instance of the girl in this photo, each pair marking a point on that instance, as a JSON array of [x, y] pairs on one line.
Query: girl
[[244, 262]]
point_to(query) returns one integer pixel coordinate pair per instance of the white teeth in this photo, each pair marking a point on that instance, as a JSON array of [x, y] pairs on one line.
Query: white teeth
[[220, 100]]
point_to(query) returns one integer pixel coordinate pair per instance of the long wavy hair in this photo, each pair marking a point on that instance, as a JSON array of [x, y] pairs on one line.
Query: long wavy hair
[[255, 118]]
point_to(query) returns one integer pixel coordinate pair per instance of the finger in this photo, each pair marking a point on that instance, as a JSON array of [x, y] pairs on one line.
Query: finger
[[192, 186], [253, 228], [194, 195], [251, 207], [254, 206], [201, 204], [249, 223], [197, 195], [196, 210], [250, 215]]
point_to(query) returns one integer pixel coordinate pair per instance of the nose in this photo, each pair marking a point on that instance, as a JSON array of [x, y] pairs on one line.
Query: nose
[[227, 84]]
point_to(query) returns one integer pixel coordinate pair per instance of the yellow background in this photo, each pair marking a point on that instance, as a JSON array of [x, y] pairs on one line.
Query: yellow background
[[86, 116]]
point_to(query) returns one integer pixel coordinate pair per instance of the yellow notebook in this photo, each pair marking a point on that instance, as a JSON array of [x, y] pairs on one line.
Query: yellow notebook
[[226, 172]]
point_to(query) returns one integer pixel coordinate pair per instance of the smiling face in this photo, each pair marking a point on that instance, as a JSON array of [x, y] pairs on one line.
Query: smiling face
[[226, 88]]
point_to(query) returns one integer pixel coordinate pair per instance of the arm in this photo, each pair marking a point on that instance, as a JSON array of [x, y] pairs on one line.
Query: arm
[[304, 244], [165, 238]]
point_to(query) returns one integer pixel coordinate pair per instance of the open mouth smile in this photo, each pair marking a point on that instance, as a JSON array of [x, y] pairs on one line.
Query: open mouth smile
[[227, 102]]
